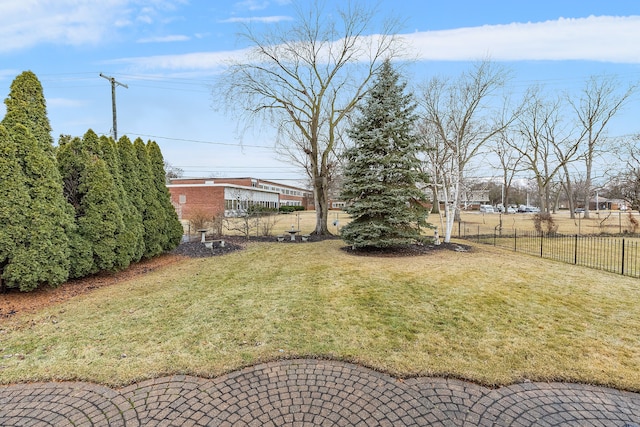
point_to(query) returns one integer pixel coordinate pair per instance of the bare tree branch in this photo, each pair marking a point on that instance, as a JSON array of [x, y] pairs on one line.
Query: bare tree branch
[[305, 81]]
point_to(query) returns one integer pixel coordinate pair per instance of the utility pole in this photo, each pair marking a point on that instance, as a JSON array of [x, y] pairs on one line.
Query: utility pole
[[113, 102]]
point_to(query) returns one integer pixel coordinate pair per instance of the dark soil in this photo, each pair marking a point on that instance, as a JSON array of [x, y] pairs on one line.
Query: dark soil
[[199, 250]]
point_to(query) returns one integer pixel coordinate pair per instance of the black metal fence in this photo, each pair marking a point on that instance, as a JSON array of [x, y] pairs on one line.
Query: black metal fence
[[617, 254]]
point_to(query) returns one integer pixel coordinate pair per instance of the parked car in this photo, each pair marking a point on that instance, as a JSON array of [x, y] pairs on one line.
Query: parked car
[[528, 209], [486, 209], [511, 210], [578, 210]]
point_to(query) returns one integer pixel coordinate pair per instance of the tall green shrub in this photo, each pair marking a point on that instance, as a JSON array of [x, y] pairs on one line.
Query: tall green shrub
[[130, 244], [172, 227], [153, 215], [26, 105], [131, 184], [41, 256], [72, 161], [101, 222], [100, 242], [14, 205]]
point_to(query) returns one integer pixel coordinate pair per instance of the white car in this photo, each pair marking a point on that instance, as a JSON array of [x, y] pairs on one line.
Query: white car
[[486, 208]]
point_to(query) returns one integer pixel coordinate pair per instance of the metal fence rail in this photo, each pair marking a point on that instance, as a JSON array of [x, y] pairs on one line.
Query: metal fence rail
[[610, 253]]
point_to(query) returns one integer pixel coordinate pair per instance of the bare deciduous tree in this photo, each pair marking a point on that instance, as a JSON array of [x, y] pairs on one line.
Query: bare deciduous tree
[[305, 80], [458, 120], [544, 143], [599, 102], [509, 164], [629, 178]]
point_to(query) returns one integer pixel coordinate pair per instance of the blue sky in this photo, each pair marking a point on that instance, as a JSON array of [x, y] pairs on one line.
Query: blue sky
[[169, 52]]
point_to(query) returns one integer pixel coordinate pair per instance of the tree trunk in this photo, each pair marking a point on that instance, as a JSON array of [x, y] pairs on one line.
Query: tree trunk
[[322, 206], [3, 289], [587, 185], [435, 209], [569, 192]]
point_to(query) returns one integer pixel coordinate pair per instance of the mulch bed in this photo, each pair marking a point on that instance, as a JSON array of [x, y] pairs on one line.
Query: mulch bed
[[196, 249], [406, 250]]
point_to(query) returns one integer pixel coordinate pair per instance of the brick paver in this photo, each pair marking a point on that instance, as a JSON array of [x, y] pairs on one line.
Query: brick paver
[[314, 393]]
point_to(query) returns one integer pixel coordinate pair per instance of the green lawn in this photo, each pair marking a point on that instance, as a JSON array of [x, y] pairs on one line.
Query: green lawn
[[490, 316]]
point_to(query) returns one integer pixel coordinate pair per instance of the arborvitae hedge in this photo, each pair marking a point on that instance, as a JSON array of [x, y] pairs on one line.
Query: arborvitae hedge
[[130, 241], [172, 228], [89, 205], [153, 215], [41, 254], [14, 207], [130, 179]]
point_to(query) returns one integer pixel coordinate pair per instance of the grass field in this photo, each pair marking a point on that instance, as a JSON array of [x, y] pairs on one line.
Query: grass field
[[603, 222], [473, 222], [488, 315]]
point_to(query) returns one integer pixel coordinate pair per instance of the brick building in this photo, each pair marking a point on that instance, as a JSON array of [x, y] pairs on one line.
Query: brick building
[[232, 196]]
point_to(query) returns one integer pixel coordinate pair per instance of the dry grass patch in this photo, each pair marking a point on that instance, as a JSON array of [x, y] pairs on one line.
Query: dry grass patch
[[488, 316], [612, 222]]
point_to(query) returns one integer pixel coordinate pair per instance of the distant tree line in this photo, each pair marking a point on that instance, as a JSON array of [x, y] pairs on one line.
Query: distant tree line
[[90, 204]]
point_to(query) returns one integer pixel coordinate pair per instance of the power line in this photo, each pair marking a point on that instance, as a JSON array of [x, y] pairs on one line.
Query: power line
[[198, 141]]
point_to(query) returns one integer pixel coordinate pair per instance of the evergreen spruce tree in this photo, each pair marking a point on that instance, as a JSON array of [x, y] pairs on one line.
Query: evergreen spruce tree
[[42, 256], [131, 185], [381, 175], [153, 216], [172, 229]]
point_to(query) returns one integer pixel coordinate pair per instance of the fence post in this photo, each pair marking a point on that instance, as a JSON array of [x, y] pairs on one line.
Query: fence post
[[622, 257], [575, 251], [515, 240], [478, 234], [620, 222], [541, 240]]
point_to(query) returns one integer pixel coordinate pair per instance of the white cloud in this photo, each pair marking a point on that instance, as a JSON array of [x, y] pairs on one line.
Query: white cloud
[[602, 38], [606, 38], [26, 23], [252, 4], [29, 22], [165, 39], [260, 19], [209, 61]]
